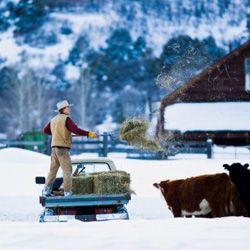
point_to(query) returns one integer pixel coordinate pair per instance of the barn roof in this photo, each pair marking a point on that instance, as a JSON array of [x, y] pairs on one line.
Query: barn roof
[[216, 116], [170, 99]]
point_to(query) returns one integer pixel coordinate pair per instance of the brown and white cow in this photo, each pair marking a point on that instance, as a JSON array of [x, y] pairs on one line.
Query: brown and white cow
[[203, 195]]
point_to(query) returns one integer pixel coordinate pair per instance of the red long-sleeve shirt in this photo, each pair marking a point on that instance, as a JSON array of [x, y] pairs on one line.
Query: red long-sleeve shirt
[[71, 126]]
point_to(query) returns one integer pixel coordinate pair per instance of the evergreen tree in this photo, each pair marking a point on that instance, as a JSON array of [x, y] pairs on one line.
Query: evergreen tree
[[6, 11], [30, 15], [81, 51], [126, 68], [123, 61]]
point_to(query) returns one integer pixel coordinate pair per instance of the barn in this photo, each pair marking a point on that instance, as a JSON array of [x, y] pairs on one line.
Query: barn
[[213, 105]]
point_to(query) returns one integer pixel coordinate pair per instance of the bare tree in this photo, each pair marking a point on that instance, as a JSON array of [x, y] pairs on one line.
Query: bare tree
[[42, 101], [81, 92], [25, 102]]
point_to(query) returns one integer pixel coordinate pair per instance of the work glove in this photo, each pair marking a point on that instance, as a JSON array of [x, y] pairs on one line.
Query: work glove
[[92, 134]]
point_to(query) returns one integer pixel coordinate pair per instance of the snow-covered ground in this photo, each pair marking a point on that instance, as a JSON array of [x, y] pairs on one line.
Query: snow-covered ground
[[151, 224]]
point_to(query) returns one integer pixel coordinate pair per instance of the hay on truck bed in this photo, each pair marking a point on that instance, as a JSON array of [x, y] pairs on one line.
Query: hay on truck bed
[[113, 182], [134, 132], [83, 184]]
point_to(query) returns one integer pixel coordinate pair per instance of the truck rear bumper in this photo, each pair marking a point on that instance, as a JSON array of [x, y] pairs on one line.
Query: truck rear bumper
[[89, 217], [84, 200]]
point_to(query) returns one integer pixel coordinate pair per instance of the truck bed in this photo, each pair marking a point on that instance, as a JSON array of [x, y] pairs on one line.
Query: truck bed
[[84, 200]]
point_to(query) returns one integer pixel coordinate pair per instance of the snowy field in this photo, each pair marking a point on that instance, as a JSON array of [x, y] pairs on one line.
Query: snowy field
[[151, 225]]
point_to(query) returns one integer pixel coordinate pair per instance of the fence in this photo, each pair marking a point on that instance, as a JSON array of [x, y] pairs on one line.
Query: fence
[[105, 145], [173, 148], [101, 146], [21, 144], [231, 152]]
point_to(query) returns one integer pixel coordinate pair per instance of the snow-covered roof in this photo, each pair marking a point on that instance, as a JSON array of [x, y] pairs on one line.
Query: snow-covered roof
[[215, 116]]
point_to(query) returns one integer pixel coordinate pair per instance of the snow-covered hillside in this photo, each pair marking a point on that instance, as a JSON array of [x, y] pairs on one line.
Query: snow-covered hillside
[[151, 224], [156, 22]]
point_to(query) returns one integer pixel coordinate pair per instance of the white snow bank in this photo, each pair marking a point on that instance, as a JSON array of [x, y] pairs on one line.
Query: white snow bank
[[19, 155], [208, 116], [18, 170], [193, 234], [151, 224]]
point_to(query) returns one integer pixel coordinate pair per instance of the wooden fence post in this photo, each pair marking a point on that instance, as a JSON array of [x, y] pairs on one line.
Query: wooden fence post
[[209, 148], [105, 145]]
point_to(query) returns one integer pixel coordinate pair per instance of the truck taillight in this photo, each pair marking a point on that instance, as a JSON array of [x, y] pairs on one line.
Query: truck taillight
[[103, 210], [67, 211], [109, 210]]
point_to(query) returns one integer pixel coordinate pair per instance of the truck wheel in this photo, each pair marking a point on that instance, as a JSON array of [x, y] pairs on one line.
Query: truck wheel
[[41, 218]]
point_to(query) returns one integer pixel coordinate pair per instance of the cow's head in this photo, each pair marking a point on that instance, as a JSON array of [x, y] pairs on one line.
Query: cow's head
[[236, 167], [162, 185], [157, 185]]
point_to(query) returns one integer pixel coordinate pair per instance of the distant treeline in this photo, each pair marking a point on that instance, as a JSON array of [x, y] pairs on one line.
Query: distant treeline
[[122, 79]]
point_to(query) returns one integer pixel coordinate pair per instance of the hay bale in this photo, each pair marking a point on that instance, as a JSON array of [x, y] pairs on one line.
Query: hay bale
[[83, 184], [134, 132], [113, 182]]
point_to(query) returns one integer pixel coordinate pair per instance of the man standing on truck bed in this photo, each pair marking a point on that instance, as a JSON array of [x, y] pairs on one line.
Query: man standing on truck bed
[[61, 128]]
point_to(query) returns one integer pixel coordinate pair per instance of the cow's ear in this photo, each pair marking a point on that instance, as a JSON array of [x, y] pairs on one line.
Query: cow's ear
[[157, 185], [226, 166], [246, 165], [166, 181]]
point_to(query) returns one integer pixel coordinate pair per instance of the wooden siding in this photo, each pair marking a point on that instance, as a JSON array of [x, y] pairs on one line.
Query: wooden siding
[[222, 82]]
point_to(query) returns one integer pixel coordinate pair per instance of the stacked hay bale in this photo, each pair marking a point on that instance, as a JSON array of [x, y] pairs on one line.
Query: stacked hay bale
[[113, 182], [134, 132], [83, 184]]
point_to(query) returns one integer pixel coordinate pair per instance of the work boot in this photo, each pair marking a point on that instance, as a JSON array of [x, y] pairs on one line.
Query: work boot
[[47, 191], [68, 193]]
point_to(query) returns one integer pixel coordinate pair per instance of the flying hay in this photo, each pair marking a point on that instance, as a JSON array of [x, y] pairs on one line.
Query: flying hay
[[134, 132]]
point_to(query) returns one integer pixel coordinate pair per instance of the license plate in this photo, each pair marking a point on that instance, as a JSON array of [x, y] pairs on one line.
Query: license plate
[[58, 218], [119, 216]]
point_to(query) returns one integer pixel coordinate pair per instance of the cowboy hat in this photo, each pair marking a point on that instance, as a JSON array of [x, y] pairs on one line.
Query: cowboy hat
[[62, 104]]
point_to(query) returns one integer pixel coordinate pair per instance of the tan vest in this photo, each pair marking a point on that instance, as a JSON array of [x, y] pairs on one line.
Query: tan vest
[[61, 136]]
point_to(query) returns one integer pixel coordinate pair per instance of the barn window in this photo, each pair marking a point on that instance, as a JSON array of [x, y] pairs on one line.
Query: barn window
[[247, 74]]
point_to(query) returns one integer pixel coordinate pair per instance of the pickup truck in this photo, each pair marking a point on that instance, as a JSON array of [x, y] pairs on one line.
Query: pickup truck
[[91, 207]]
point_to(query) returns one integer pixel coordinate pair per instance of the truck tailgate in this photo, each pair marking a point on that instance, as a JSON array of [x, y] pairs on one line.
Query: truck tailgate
[[84, 200]]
